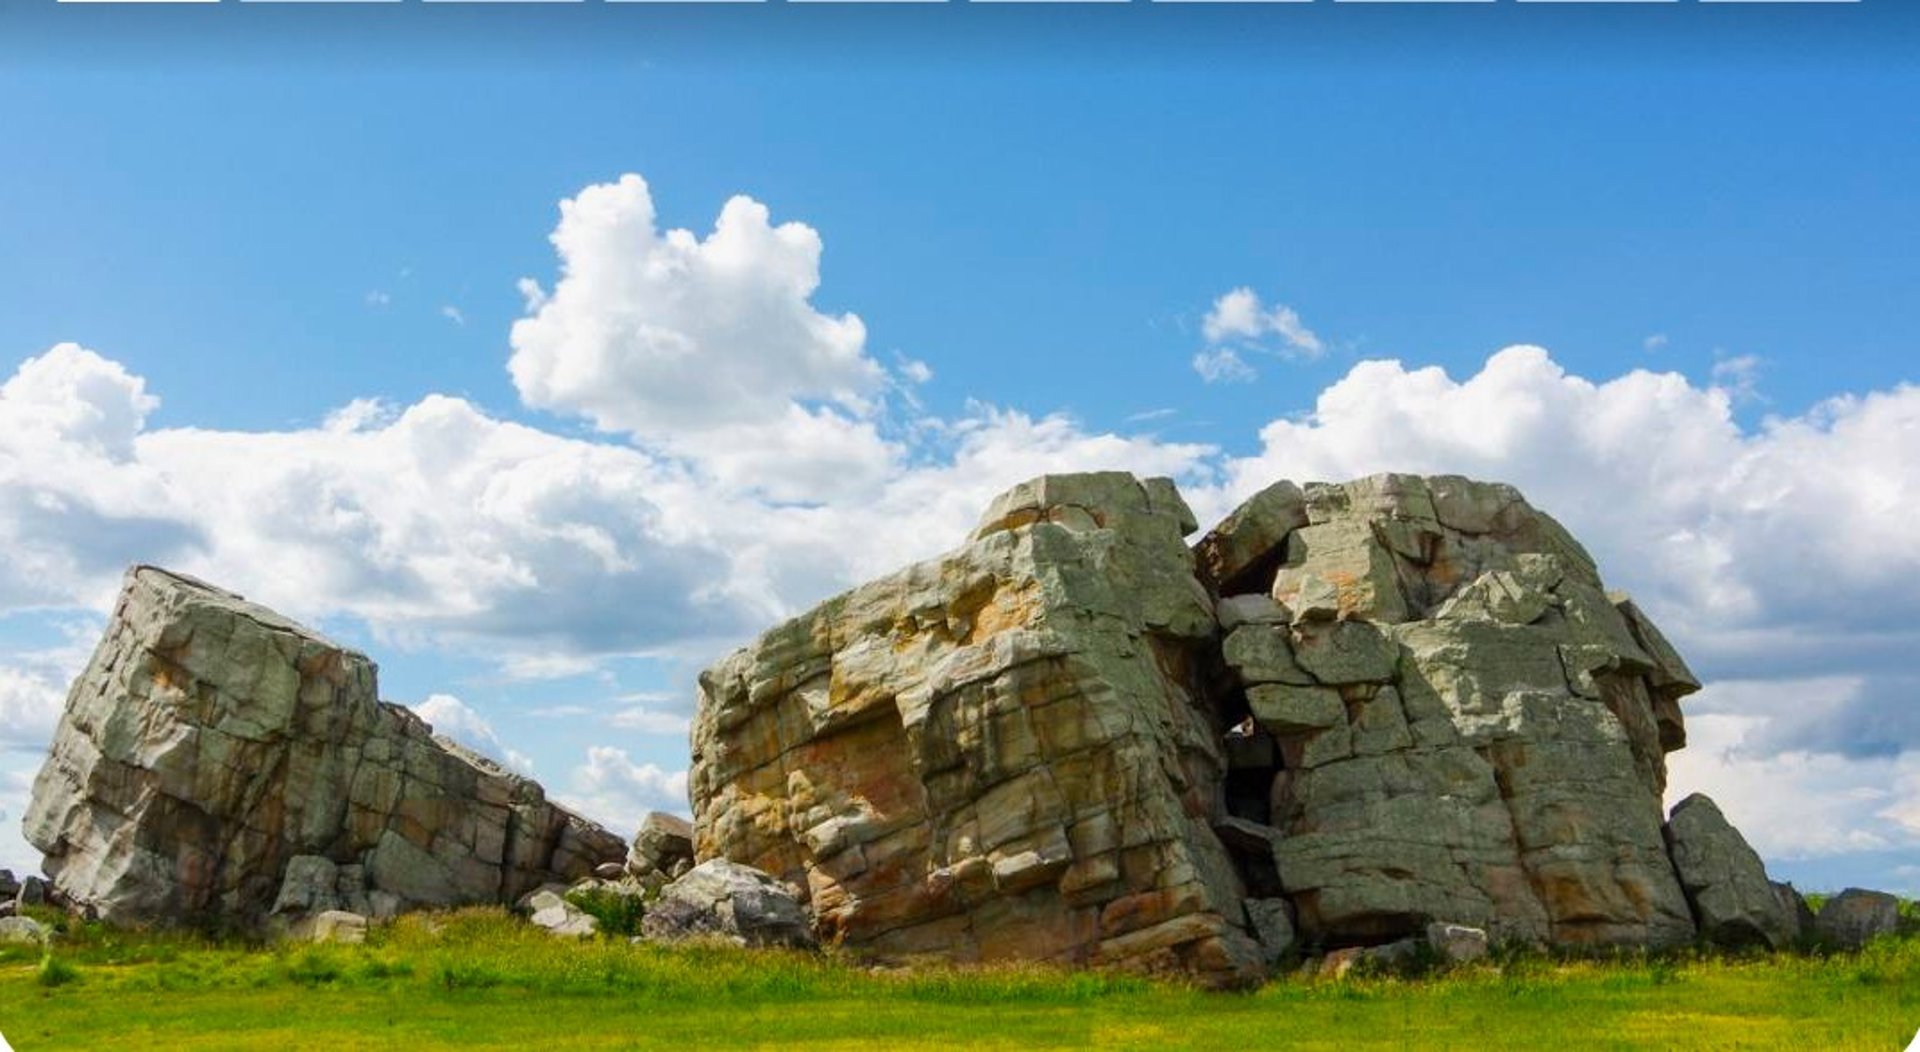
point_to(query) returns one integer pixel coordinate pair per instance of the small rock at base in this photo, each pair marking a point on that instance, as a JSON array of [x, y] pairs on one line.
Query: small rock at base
[[332, 926], [1457, 943], [21, 930], [1855, 916]]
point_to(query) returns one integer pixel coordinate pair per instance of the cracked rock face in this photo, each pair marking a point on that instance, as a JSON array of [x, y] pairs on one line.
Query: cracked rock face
[[1004, 752], [217, 762], [1388, 703], [1469, 729]]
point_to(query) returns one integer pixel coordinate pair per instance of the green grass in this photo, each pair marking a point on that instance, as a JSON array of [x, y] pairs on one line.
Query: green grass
[[481, 979]]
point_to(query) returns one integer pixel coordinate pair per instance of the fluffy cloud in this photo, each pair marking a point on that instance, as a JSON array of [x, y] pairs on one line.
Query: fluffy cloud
[[1238, 317], [73, 493], [649, 721], [1223, 365], [612, 789], [707, 348], [1784, 550], [29, 707]]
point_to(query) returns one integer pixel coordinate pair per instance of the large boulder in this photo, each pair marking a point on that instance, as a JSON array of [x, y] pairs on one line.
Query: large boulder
[[1733, 901], [663, 846], [212, 744], [722, 899], [1856, 916], [1390, 702], [1467, 728], [1004, 752]]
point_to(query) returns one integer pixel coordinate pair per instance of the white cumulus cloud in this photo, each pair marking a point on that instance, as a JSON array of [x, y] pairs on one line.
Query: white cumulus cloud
[[1239, 317], [612, 789], [709, 347]]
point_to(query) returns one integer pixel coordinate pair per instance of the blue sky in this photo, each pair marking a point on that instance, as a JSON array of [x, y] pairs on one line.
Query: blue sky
[[1703, 213]]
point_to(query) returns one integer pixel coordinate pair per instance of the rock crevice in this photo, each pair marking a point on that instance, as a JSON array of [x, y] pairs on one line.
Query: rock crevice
[[1384, 704]]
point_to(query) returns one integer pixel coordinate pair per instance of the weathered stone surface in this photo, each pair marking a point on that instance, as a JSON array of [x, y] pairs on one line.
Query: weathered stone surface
[[663, 842], [1456, 943], [1733, 901], [210, 742], [1496, 754], [33, 891], [1855, 916], [1056, 743], [728, 900], [1004, 752], [1384, 959], [1271, 921], [550, 910], [21, 930], [332, 926], [1234, 555]]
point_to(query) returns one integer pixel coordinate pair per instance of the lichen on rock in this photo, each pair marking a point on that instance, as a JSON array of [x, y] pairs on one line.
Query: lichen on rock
[[1387, 703]]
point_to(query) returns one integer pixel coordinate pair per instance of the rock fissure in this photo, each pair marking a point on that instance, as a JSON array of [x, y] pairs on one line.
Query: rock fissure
[[1351, 715], [1389, 703]]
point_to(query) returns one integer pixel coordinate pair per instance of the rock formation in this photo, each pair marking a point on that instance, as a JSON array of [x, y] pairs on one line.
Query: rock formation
[[1355, 710], [1464, 726], [1856, 916], [218, 763], [1734, 902]]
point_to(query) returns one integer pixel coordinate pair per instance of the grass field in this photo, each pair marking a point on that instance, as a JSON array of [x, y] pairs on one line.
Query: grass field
[[480, 979]]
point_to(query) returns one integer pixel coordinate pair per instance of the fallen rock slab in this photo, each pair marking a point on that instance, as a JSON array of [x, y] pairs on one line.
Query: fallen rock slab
[[1733, 901], [211, 742]]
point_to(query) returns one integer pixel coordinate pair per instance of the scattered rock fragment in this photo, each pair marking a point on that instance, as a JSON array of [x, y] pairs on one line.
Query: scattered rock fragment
[[724, 899], [1457, 943], [1856, 916], [22, 930]]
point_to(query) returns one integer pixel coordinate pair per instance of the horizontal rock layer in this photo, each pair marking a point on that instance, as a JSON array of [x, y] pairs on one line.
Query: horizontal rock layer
[[1000, 753], [1361, 709]]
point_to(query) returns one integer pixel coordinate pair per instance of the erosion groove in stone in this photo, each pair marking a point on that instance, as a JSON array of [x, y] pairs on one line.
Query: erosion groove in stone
[[1364, 709], [217, 763]]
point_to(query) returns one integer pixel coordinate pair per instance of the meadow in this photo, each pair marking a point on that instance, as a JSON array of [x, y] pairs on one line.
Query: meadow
[[483, 979]]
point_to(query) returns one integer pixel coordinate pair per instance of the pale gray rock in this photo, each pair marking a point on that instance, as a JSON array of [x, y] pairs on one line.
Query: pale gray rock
[[1470, 730], [1856, 916], [22, 930], [1457, 943], [663, 842], [610, 870], [1271, 921], [550, 911], [310, 885], [210, 742], [1726, 883], [723, 899], [332, 926]]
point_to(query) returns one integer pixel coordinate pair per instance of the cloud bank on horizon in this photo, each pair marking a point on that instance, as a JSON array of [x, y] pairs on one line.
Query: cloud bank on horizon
[[749, 455]]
